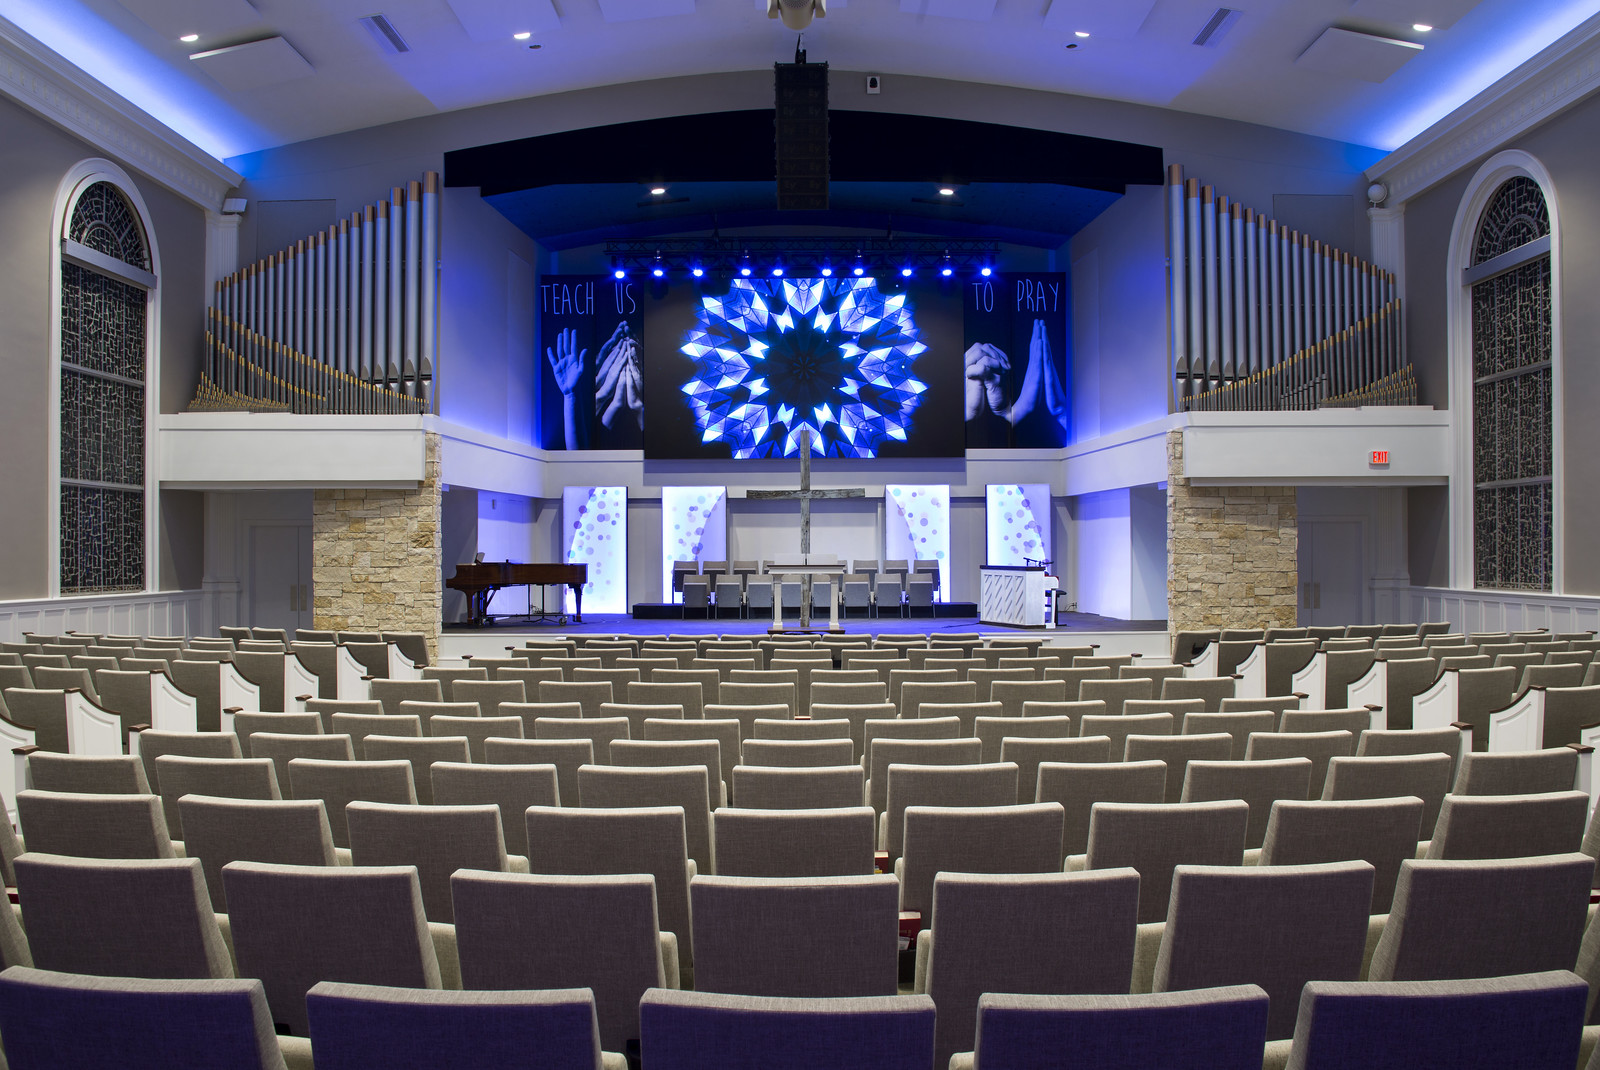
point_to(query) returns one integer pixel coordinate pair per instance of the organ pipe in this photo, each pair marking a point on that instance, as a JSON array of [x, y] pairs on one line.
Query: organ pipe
[[342, 321], [1264, 317]]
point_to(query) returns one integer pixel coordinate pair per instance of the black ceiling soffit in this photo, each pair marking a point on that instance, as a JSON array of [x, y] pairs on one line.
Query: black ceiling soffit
[[737, 146]]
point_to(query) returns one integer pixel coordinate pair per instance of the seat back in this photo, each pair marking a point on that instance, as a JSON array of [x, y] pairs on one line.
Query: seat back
[[358, 726], [1238, 724], [1381, 832], [1425, 776], [513, 788], [1028, 753], [976, 839], [819, 936], [85, 825], [338, 784], [1277, 927], [1509, 826], [325, 708], [994, 784], [1525, 1021], [1178, 752], [690, 1030], [594, 932], [1319, 747], [884, 752], [566, 755], [672, 785], [777, 788], [1155, 840], [1117, 728], [488, 694], [437, 840], [94, 774], [139, 1024], [290, 832], [294, 926], [794, 843], [1259, 783], [421, 753], [1517, 772], [393, 692], [1484, 918], [1211, 689], [1078, 785], [586, 841]]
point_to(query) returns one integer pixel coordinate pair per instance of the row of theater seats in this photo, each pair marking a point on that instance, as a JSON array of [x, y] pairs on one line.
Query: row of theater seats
[[1152, 842], [1524, 1021]]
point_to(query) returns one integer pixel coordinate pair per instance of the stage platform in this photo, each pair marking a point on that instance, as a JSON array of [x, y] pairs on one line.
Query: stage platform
[[1147, 637], [673, 611]]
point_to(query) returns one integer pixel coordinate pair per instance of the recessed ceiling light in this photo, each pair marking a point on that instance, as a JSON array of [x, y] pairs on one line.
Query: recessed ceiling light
[[658, 191], [189, 38], [1080, 33], [1421, 27], [947, 191], [1072, 44], [523, 36]]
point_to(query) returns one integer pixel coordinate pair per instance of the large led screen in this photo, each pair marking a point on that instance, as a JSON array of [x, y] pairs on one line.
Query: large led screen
[[1017, 518], [744, 367], [595, 533]]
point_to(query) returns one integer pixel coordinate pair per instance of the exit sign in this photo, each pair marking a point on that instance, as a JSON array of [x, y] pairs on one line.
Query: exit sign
[[1380, 456]]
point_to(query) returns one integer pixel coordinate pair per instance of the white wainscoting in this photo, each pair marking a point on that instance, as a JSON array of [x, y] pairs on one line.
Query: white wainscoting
[[144, 613], [1500, 611]]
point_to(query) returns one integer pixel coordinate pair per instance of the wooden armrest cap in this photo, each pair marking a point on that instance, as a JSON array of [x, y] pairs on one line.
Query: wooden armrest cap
[[304, 698], [29, 749], [1581, 748], [1461, 725], [233, 709], [139, 728], [1374, 707]]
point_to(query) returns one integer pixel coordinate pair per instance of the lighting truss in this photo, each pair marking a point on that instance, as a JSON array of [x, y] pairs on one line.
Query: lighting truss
[[801, 256]]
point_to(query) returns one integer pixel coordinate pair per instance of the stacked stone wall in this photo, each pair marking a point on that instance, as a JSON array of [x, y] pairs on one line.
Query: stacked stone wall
[[1232, 553], [375, 557]]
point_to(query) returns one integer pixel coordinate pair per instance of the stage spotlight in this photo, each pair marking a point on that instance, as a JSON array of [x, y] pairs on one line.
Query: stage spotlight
[[777, 271], [947, 269], [906, 271], [826, 271], [858, 271], [698, 272], [986, 271], [658, 271], [619, 272]]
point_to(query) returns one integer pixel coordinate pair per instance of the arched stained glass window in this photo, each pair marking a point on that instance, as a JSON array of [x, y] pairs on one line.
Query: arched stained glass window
[[104, 313], [1512, 459]]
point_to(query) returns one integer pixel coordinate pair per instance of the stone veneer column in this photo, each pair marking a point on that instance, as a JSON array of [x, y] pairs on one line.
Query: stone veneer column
[[1232, 553], [375, 557]]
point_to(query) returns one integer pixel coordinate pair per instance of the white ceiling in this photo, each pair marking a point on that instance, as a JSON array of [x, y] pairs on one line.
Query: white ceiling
[[462, 54]]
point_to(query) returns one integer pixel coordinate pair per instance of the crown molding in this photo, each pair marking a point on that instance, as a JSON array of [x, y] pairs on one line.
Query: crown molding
[[1543, 87], [44, 83]]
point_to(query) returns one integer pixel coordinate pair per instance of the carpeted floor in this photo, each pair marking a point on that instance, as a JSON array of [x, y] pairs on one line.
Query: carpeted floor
[[622, 624]]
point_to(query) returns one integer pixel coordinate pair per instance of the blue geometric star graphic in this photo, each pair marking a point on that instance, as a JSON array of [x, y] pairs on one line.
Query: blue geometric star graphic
[[775, 357]]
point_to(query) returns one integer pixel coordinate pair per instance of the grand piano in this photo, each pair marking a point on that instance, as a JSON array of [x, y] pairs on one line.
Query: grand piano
[[479, 582]]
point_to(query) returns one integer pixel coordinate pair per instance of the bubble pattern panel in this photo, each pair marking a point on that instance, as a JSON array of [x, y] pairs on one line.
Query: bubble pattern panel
[[1018, 516], [595, 532], [694, 527], [918, 525]]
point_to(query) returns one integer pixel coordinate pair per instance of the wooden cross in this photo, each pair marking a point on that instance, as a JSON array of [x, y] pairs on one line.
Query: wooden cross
[[805, 495]]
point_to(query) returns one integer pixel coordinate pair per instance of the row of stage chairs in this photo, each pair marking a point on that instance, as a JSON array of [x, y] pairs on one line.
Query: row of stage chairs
[[867, 588]]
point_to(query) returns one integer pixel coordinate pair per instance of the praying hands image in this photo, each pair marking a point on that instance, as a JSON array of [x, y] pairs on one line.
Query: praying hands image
[[618, 385], [1041, 397]]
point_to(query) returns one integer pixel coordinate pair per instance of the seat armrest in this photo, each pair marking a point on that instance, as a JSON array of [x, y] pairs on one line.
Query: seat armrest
[[669, 959], [444, 947], [924, 956]]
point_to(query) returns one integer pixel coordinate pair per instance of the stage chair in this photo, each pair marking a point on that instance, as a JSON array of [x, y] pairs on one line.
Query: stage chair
[[1178, 752], [777, 788], [1259, 783], [1509, 826], [689, 1030], [976, 785], [794, 842], [684, 786], [1156, 839], [975, 839], [139, 1023], [490, 694], [520, 932], [1517, 772], [294, 926], [1424, 776], [1237, 725], [566, 756], [819, 936], [1484, 918], [1380, 832]]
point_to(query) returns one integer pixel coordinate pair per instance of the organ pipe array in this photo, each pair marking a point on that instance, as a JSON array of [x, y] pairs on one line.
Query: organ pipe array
[[344, 321], [1265, 318]]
